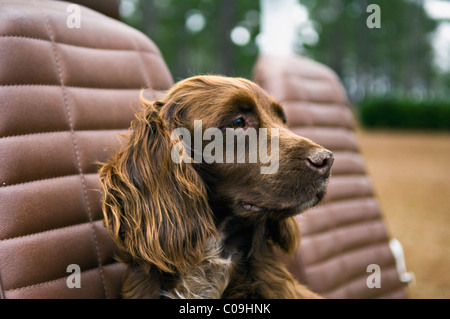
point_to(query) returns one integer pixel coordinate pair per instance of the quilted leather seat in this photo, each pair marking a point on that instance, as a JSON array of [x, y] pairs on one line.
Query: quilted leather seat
[[346, 233], [65, 94]]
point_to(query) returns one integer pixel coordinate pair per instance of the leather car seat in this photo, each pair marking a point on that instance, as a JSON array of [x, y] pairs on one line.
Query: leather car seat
[[346, 233], [65, 94]]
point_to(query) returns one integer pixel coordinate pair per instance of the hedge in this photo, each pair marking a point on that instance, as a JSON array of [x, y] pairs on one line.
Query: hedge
[[394, 112]]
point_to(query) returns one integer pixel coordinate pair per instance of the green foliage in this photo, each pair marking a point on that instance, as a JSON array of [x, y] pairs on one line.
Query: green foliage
[[209, 50], [397, 57], [394, 59], [399, 112]]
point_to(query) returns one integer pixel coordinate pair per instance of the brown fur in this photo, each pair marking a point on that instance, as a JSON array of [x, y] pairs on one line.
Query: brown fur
[[184, 229]]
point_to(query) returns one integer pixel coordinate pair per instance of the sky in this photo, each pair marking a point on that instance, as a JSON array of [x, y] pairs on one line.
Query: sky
[[440, 10]]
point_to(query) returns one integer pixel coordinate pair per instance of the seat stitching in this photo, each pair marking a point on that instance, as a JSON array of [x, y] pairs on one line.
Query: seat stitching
[[76, 45], [47, 231], [79, 87], [147, 80], [58, 279], [124, 129], [74, 142], [38, 180]]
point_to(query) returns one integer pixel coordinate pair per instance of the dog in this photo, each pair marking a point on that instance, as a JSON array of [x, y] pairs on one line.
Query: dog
[[196, 229]]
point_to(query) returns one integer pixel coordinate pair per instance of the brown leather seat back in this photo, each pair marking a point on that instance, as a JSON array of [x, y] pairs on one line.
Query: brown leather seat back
[[65, 94], [346, 233]]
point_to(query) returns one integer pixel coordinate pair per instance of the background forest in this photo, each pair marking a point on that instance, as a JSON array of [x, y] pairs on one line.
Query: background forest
[[195, 36]]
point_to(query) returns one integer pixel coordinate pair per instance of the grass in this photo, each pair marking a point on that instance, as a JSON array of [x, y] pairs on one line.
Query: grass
[[411, 176]]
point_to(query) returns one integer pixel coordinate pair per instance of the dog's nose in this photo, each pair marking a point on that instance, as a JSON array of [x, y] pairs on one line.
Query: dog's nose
[[320, 161]]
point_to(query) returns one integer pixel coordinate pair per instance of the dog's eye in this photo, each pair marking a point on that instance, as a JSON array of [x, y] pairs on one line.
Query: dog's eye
[[238, 123]]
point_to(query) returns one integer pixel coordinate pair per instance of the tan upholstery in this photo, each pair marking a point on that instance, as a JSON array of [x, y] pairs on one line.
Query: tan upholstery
[[346, 233], [65, 94]]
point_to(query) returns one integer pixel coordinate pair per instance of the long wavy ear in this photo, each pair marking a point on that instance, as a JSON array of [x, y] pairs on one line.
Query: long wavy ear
[[285, 233], [155, 209]]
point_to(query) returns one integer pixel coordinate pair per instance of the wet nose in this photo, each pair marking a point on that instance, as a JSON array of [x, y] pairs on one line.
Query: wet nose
[[320, 161]]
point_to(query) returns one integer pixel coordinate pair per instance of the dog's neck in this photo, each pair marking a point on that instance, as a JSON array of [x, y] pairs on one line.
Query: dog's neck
[[237, 233]]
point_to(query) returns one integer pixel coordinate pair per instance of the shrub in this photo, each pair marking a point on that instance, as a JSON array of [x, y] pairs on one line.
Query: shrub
[[395, 112]]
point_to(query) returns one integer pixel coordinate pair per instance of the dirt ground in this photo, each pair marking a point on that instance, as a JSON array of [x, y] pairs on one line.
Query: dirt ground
[[411, 176]]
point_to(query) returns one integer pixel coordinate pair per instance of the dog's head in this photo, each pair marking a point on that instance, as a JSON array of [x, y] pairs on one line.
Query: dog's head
[[248, 157], [211, 140]]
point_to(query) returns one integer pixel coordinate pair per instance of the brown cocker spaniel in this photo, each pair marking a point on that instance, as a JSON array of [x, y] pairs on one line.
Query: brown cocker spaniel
[[202, 228]]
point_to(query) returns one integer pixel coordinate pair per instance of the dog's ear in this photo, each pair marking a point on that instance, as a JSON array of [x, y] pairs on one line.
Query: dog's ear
[[155, 209], [285, 234]]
